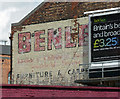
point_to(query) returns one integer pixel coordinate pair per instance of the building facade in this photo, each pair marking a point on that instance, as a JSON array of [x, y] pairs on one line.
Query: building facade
[[5, 61], [49, 44]]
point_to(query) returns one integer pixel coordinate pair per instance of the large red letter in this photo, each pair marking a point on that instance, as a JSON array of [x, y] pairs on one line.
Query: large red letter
[[56, 37], [68, 44], [24, 42], [83, 34], [39, 40]]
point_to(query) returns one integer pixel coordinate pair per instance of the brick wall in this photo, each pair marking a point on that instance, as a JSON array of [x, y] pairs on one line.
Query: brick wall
[[31, 92], [53, 11], [56, 61], [5, 67], [46, 16]]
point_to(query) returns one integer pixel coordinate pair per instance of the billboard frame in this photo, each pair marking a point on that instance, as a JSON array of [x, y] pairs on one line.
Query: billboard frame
[[94, 15]]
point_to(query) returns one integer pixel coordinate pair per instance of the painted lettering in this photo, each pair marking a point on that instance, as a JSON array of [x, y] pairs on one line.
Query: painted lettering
[[38, 41], [73, 71], [24, 42], [83, 34], [68, 43], [55, 36]]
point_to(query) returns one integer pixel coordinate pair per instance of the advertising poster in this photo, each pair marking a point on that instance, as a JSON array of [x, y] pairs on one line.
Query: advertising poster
[[105, 37]]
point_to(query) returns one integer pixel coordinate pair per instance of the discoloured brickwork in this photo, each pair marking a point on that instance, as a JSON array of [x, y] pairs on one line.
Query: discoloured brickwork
[[53, 11], [47, 54]]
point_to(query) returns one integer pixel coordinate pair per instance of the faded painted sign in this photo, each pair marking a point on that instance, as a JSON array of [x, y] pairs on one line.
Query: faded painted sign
[[50, 53]]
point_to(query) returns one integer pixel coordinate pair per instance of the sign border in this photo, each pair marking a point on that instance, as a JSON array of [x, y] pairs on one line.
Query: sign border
[[89, 30]]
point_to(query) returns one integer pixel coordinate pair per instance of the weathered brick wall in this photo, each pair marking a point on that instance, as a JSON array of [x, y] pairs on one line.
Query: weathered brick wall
[[5, 67], [56, 61], [37, 92], [53, 11], [50, 15]]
